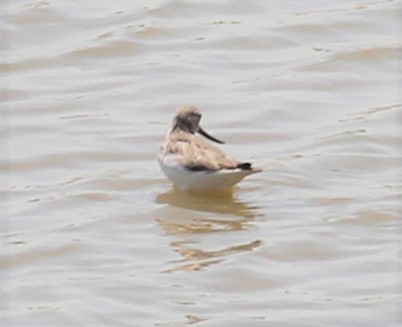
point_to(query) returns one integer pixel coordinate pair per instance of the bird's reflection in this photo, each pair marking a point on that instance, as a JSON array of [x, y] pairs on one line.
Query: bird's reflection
[[197, 259], [221, 203], [204, 214]]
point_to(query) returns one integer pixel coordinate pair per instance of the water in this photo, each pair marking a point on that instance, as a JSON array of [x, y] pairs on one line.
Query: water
[[92, 233]]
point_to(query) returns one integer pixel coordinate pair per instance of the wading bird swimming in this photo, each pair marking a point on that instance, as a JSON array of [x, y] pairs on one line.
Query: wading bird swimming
[[191, 163]]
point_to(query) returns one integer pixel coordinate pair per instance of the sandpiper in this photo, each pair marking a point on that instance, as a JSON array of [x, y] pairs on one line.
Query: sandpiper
[[193, 164]]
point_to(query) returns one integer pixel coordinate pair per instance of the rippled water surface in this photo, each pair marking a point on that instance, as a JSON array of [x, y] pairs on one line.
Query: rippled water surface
[[92, 233]]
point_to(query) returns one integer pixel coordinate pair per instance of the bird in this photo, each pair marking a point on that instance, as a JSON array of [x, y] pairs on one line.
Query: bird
[[191, 163]]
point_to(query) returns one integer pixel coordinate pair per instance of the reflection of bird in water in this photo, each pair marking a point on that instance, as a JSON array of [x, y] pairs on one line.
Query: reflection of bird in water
[[215, 203], [192, 164], [195, 259], [222, 213]]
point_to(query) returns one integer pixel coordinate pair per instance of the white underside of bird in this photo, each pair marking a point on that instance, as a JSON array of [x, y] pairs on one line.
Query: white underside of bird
[[187, 180]]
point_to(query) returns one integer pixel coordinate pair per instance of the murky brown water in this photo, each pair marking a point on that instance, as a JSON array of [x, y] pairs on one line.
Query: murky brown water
[[92, 233]]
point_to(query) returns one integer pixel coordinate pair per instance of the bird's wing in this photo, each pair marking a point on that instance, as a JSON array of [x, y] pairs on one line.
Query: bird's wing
[[197, 155]]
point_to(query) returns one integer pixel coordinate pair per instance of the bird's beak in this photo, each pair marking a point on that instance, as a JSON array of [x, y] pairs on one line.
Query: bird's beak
[[204, 133]]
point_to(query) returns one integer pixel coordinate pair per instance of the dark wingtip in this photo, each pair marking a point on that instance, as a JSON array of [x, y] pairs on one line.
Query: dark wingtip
[[244, 166]]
